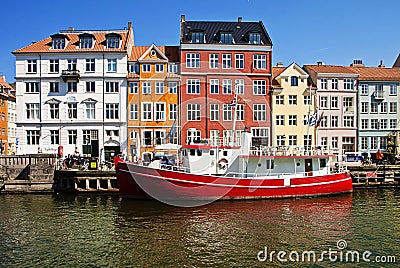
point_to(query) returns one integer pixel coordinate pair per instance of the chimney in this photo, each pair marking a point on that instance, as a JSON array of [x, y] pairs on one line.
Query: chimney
[[381, 65], [357, 63], [279, 64], [240, 19], [320, 63], [183, 18], [70, 29], [129, 25]]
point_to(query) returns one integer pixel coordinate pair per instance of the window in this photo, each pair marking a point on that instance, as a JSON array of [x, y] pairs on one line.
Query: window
[[334, 121], [334, 83], [72, 110], [197, 37], [292, 140], [172, 87], [239, 61], [240, 112], [307, 140], [90, 65], [133, 88], [193, 86], [364, 107], [32, 111], [259, 87], [292, 100], [280, 120], [54, 87], [72, 136], [172, 68], [89, 135], [335, 143], [54, 66], [324, 83], [71, 64], [72, 87], [113, 42], [374, 107], [54, 110], [259, 61], [173, 115], [255, 38], [393, 107], [374, 123], [32, 87], [239, 86], [111, 65], [334, 102], [383, 124], [364, 89], [146, 88], [292, 120], [226, 61], [227, 112], [112, 87], [54, 137], [214, 58], [112, 110], [324, 121], [305, 120], [226, 38], [348, 121], [133, 111], [90, 110], [58, 43], [85, 42], [159, 68], [393, 123], [383, 106], [323, 102], [307, 100], [90, 86], [31, 66], [159, 137], [214, 112], [193, 112], [280, 140], [324, 142], [280, 100], [393, 90], [259, 112], [227, 86], [214, 86], [32, 137], [294, 81], [146, 68], [364, 143], [193, 60], [147, 111], [364, 123], [159, 111], [147, 137], [374, 142], [348, 84], [159, 87]]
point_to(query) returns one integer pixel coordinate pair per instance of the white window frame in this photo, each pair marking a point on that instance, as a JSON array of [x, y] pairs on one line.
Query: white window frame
[[226, 61], [147, 111]]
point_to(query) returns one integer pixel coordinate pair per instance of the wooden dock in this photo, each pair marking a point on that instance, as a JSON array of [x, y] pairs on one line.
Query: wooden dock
[[375, 176]]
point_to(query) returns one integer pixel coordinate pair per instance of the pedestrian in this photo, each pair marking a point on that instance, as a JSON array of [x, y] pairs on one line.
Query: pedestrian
[[379, 157]]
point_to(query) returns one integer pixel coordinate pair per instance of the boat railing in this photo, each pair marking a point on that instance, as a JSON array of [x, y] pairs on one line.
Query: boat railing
[[288, 150], [278, 175]]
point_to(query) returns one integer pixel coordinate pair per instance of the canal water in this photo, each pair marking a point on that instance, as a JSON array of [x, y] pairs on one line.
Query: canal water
[[104, 231]]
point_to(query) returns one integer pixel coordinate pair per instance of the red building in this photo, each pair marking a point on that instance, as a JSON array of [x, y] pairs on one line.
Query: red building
[[217, 60]]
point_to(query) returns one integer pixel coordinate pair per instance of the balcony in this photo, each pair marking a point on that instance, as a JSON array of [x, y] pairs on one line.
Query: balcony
[[70, 75]]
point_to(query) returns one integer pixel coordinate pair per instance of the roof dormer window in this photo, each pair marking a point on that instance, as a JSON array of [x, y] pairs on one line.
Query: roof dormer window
[[113, 41], [86, 41], [226, 38], [197, 37], [255, 38], [58, 43]]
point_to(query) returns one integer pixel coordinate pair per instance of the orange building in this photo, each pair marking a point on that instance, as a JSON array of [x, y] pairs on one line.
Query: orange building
[[5, 96], [153, 84]]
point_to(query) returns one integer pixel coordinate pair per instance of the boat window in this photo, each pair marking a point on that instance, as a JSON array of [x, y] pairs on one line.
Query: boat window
[[192, 152], [298, 164], [184, 153], [322, 162], [270, 163], [211, 152], [225, 153], [259, 165], [199, 152]]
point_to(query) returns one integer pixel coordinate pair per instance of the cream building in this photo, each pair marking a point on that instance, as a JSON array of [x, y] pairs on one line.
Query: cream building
[[293, 103]]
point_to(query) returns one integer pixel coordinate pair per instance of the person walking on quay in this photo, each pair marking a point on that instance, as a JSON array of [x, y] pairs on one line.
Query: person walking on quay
[[379, 157]]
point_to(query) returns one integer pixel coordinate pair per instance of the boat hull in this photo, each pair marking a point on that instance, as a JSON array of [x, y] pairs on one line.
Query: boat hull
[[140, 182]]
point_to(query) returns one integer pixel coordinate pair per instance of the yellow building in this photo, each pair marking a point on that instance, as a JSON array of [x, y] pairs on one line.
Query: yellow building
[[153, 84], [293, 104]]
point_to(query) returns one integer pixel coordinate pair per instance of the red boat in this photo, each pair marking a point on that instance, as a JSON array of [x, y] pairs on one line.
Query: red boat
[[207, 171]]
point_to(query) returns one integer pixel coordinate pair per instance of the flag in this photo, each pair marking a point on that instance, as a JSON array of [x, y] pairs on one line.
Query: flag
[[172, 131], [313, 119], [319, 120]]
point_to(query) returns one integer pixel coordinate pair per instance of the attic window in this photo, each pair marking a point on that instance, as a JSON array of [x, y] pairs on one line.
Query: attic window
[[255, 38], [113, 41], [197, 37], [86, 41], [58, 43], [226, 38]]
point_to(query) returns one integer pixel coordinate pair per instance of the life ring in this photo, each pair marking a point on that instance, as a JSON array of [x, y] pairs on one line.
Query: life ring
[[223, 163]]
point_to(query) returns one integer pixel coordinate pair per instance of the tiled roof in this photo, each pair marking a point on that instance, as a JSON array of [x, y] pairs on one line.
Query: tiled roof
[[4, 84], [397, 62], [72, 43], [377, 74], [330, 69], [275, 72], [240, 31], [171, 52]]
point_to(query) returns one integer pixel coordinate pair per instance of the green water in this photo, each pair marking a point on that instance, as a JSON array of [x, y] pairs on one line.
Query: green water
[[103, 231]]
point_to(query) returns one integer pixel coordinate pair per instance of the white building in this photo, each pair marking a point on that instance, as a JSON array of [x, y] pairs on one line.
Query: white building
[[71, 92]]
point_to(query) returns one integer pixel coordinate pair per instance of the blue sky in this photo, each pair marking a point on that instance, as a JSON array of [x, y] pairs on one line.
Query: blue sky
[[304, 31]]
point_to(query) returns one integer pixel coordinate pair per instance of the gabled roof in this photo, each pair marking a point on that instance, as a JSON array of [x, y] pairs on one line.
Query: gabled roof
[[211, 29], [327, 70], [397, 62], [303, 74], [377, 73], [155, 49], [170, 52], [4, 84]]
